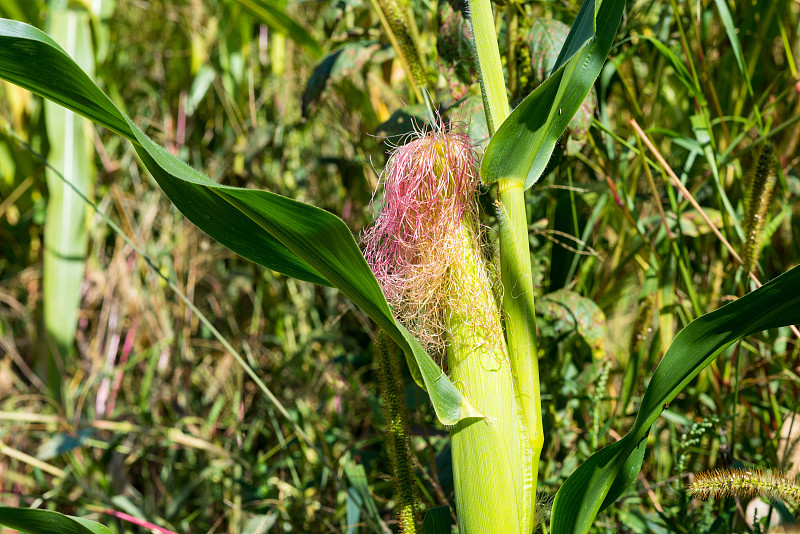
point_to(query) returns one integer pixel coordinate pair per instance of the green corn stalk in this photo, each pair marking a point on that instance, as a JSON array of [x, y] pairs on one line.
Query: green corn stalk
[[65, 233]]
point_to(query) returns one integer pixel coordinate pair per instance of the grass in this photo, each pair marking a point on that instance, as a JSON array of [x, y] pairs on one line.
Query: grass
[[159, 422]]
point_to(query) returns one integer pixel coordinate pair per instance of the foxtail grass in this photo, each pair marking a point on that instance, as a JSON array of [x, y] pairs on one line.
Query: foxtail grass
[[755, 482], [758, 198], [397, 435]]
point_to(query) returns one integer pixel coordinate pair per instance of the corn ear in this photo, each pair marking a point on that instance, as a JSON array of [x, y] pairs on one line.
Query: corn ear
[[492, 458]]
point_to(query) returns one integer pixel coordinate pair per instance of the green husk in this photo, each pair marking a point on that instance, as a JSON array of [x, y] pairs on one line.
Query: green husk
[[492, 458]]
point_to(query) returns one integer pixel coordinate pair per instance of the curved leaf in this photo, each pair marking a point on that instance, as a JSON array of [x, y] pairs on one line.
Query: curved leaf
[[521, 147], [32, 521], [296, 239], [601, 479]]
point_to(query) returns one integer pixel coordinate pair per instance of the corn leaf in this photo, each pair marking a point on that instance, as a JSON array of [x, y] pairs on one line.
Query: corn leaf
[[31, 521], [293, 238], [521, 147], [602, 479]]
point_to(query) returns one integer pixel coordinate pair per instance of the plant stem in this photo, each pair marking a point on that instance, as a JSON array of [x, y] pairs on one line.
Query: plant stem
[[518, 303]]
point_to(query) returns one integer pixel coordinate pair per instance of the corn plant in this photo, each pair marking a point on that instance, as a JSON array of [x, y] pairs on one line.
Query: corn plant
[[422, 277]]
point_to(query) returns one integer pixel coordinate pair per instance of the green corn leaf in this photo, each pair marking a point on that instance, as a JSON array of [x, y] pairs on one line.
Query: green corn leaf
[[521, 147], [31, 521], [296, 239], [277, 19], [602, 479]]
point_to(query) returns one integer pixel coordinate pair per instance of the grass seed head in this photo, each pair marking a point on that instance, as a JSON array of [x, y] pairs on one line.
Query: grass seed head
[[758, 200], [750, 482]]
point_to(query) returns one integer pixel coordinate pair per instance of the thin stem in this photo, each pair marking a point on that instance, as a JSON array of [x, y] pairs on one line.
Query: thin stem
[[518, 303]]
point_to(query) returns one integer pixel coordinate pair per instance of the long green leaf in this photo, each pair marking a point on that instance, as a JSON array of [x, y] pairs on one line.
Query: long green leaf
[[521, 147], [31, 521], [601, 479], [285, 235]]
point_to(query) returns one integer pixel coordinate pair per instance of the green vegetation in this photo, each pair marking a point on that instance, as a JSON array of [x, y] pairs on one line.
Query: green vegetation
[[206, 393]]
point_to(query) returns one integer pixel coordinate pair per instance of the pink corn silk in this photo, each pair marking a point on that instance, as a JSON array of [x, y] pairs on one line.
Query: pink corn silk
[[430, 186]]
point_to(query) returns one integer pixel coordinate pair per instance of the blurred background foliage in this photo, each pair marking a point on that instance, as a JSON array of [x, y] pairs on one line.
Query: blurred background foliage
[[304, 98]]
